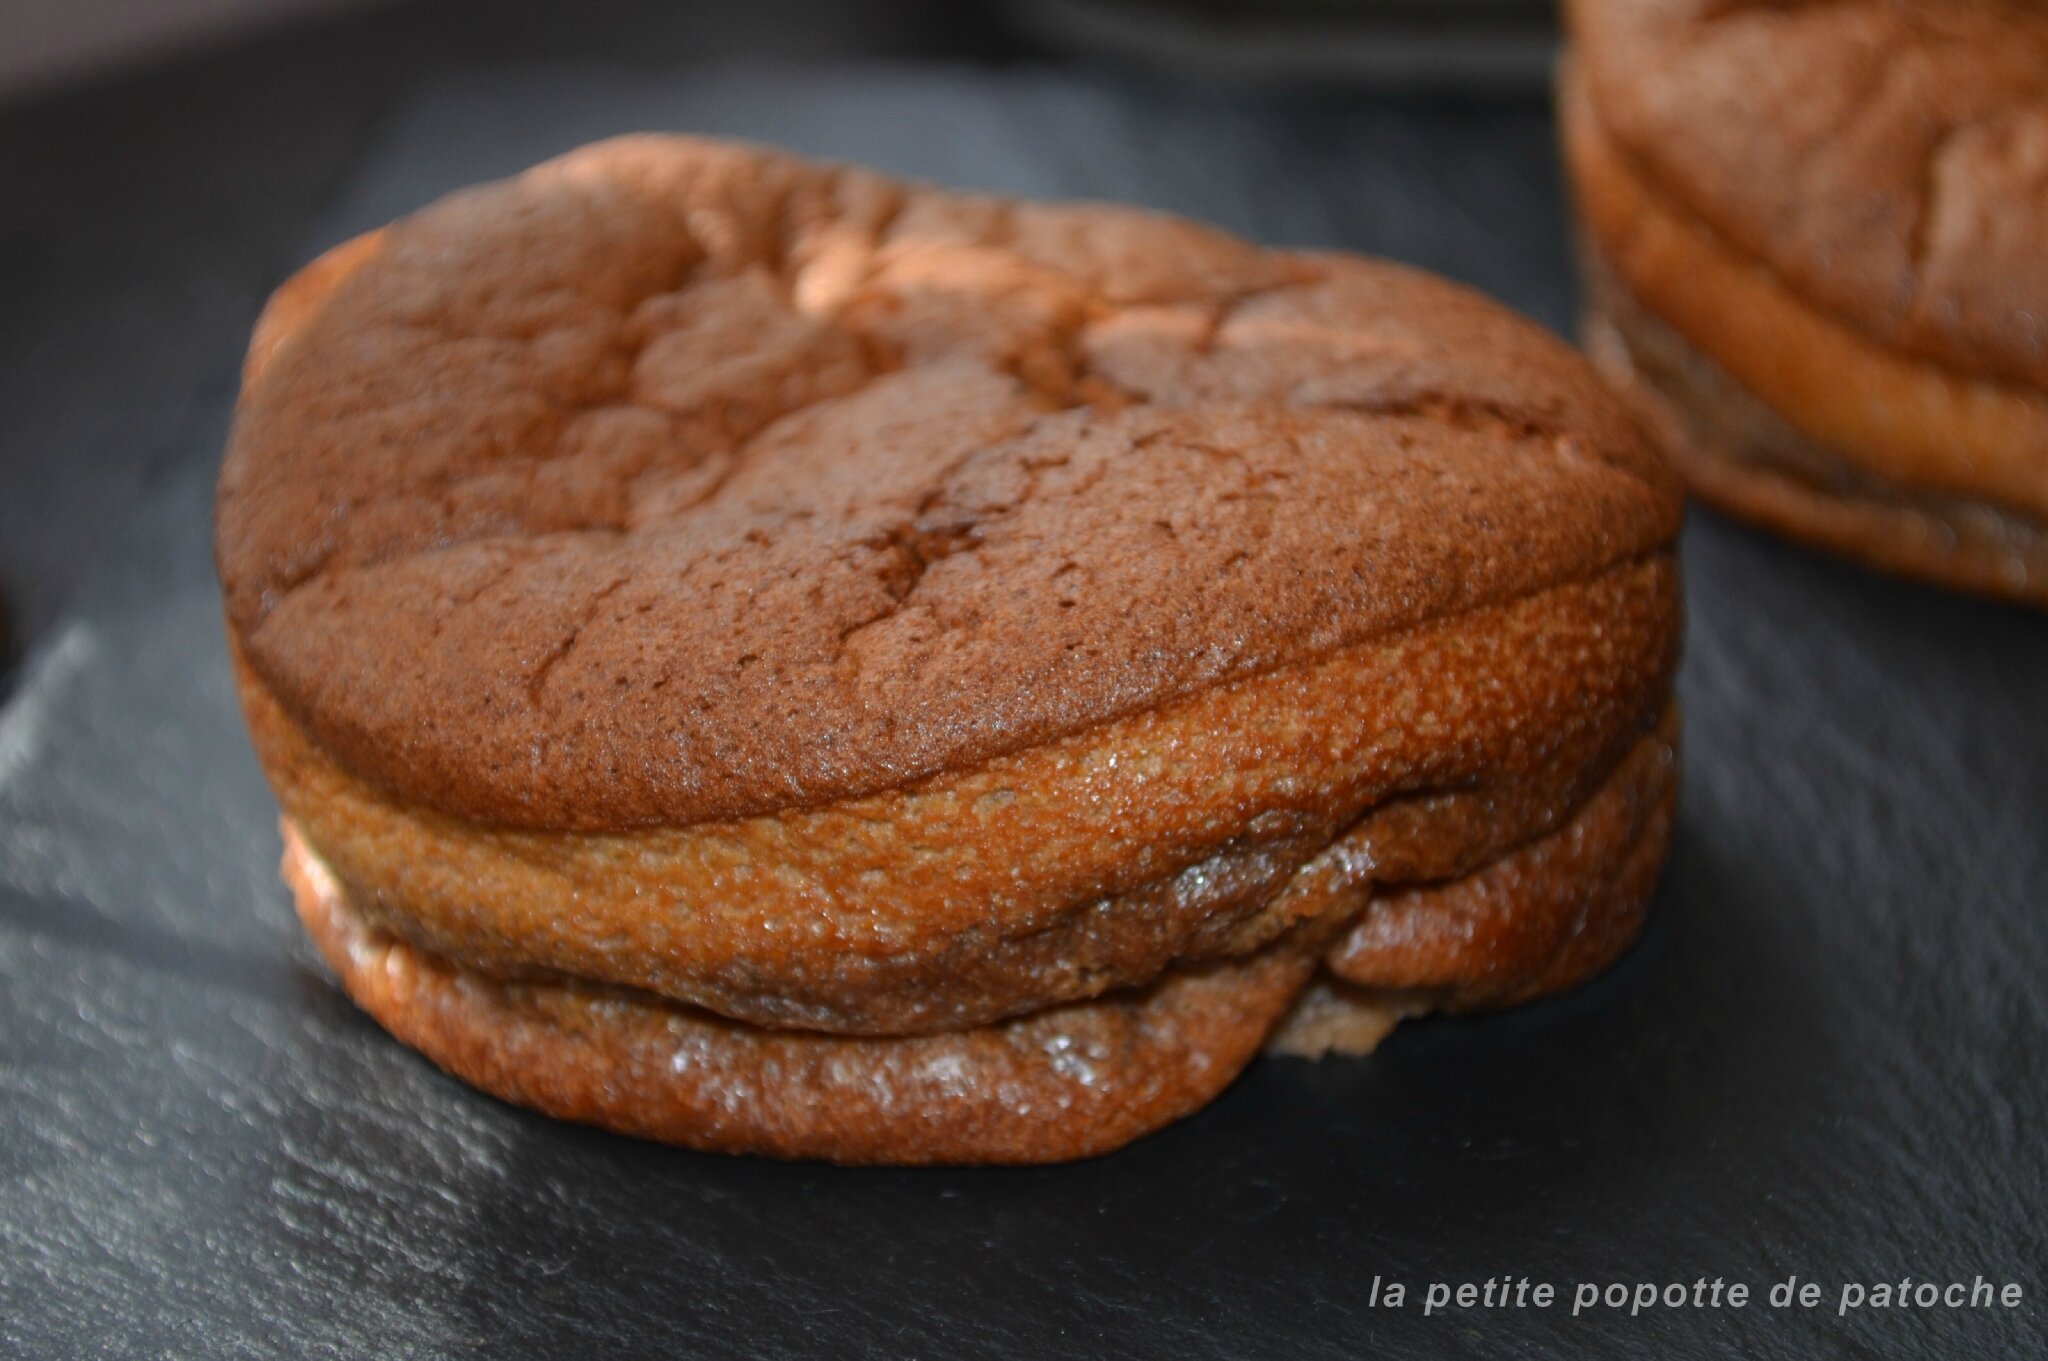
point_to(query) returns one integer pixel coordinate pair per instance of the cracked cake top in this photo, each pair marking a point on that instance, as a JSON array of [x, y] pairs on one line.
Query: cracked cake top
[[1887, 159], [677, 480]]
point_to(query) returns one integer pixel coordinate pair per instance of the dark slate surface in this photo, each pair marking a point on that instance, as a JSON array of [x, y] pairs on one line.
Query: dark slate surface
[[1824, 1059]]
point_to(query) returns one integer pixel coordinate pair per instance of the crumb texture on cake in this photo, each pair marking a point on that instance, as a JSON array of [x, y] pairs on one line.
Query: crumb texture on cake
[[1887, 160], [677, 481]]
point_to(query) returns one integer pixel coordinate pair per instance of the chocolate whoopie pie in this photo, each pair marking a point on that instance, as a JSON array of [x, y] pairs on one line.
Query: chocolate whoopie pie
[[763, 656], [1814, 242]]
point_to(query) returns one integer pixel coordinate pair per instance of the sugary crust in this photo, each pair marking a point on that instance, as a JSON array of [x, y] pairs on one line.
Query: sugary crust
[[1061, 1084], [1889, 420], [1068, 1082], [1746, 459], [1885, 160], [1539, 919], [1204, 828], [676, 482]]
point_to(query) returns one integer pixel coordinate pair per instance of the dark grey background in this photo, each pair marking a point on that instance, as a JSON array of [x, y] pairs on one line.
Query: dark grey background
[[1823, 1059]]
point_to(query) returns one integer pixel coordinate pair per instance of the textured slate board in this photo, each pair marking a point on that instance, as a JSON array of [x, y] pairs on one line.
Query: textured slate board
[[1824, 1059]]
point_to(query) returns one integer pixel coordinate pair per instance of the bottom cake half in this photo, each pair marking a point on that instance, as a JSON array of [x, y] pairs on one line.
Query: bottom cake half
[[1066, 1082]]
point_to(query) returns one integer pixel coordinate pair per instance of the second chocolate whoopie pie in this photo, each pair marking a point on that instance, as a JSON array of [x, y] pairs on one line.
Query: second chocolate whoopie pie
[[763, 656], [1814, 242]]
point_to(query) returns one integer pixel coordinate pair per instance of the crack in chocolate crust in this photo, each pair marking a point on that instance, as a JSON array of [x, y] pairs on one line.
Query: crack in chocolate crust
[[600, 498], [1068, 1082]]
